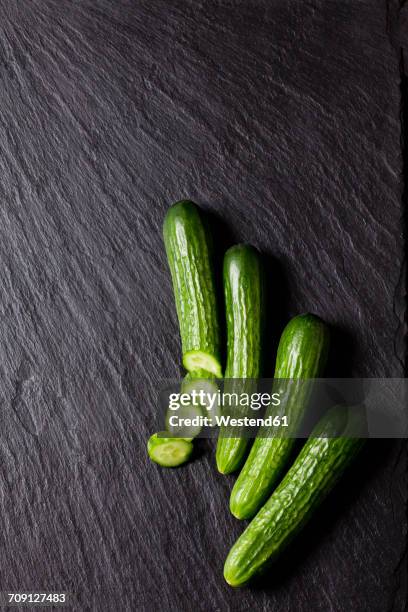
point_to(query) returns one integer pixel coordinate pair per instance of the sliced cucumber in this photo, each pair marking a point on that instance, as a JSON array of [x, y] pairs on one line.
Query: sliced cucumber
[[187, 432], [200, 380], [200, 360], [167, 451], [188, 248]]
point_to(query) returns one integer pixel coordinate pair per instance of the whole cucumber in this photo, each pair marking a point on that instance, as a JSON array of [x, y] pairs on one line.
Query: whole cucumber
[[302, 354], [188, 251], [243, 293], [313, 474]]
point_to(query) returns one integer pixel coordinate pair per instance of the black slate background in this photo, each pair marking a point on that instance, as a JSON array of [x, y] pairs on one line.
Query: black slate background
[[283, 120]]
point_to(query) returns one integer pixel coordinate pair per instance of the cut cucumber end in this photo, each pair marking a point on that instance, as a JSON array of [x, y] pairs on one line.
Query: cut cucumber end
[[169, 452], [200, 360]]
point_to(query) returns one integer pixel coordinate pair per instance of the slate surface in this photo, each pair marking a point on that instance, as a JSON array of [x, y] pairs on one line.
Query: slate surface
[[282, 119]]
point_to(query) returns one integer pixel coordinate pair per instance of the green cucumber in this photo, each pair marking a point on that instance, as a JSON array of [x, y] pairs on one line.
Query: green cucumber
[[205, 383], [200, 381], [167, 451], [187, 245], [177, 428], [302, 354], [243, 305], [202, 384], [314, 473]]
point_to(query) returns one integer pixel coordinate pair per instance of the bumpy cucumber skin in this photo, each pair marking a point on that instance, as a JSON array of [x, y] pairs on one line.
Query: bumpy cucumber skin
[[302, 354], [188, 251], [243, 290], [243, 304], [314, 473]]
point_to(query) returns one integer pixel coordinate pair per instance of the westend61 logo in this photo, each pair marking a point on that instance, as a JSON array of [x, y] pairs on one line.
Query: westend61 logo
[[254, 401]]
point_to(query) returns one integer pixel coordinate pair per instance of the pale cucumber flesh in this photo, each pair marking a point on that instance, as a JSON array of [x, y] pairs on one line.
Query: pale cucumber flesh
[[169, 452], [200, 360]]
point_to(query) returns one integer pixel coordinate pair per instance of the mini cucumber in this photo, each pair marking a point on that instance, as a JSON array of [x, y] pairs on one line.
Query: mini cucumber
[[187, 245], [243, 305], [167, 451], [314, 473], [302, 354]]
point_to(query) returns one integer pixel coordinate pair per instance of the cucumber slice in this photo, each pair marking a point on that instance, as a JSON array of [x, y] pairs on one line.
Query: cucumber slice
[[200, 360], [168, 452], [186, 432], [198, 381], [206, 382]]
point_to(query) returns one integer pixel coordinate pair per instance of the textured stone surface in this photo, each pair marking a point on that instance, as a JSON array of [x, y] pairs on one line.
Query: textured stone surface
[[283, 120]]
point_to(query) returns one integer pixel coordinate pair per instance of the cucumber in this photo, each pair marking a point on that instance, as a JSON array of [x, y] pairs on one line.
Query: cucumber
[[186, 432], [200, 381], [167, 451], [187, 245], [243, 305], [302, 354], [313, 474]]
